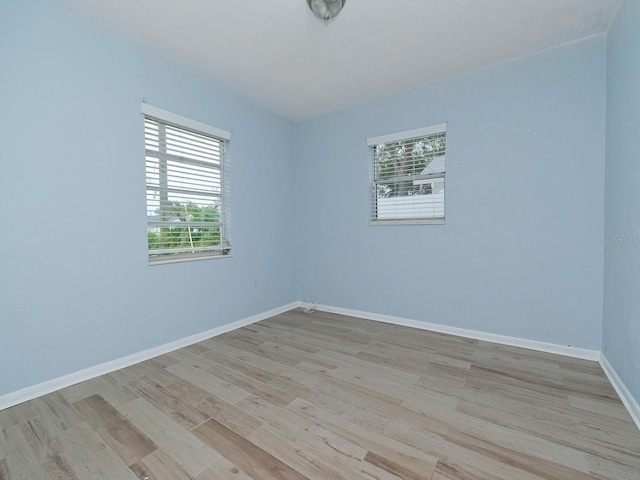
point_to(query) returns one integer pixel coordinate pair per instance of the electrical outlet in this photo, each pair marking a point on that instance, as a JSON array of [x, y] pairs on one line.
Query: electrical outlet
[[255, 283]]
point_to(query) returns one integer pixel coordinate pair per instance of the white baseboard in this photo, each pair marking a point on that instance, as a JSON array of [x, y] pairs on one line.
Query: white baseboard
[[621, 389], [574, 352], [49, 386], [627, 399], [29, 393]]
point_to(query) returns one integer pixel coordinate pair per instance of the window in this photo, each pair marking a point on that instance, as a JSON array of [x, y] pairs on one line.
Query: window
[[187, 188], [408, 176]]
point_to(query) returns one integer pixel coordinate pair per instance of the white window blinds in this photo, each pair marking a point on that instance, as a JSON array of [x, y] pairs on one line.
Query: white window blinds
[[187, 186], [408, 172]]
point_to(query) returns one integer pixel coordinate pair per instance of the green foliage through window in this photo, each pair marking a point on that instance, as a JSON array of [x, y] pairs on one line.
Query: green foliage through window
[[186, 193], [188, 231], [408, 176], [397, 164]]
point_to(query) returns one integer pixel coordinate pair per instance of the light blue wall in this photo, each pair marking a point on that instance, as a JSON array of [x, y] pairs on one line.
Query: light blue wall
[[75, 287], [521, 253], [621, 324]]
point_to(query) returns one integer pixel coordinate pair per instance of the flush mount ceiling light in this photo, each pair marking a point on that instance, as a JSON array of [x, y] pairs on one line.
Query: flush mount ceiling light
[[325, 10]]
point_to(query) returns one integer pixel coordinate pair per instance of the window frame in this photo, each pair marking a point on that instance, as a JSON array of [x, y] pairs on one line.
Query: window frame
[[408, 135], [193, 189]]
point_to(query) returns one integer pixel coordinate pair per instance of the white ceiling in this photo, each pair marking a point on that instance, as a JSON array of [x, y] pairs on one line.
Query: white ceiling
[[278, 55]]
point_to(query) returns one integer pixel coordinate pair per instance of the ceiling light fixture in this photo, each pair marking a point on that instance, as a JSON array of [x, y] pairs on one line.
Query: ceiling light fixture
[[325, 10]]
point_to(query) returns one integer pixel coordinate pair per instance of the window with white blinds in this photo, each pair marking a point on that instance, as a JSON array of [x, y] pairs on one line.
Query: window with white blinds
[[187, 187], [408, 171]]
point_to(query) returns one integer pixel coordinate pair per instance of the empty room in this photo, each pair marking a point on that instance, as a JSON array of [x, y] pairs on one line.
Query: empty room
[[320, 239]]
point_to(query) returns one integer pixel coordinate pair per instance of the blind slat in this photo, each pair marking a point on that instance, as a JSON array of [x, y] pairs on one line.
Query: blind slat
[[187, 192], [408, 176]]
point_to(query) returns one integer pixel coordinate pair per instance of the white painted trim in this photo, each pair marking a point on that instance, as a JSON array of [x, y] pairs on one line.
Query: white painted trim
[[574, 352], [594, 355], [170, 117], [625, 395], [418, 132], [29, 393]]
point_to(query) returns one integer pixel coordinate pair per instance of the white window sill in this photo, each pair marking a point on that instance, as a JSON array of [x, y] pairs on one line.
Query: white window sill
[[408, 221]]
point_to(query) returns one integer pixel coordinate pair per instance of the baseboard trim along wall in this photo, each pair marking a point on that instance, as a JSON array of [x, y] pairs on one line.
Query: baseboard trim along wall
[[585, 354], [621, 389], [462, 332], [55, 384], [29, 393]]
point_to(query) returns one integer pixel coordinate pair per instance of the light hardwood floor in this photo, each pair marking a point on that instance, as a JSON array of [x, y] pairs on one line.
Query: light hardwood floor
[[323, 396]]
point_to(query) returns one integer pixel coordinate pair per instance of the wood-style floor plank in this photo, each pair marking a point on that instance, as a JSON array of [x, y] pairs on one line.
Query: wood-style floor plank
[[159, 466], [55, 412], [170, 404], [185, 449], [414, 461], [326, 455], [122, 436], [89, 456], [25, 458], [223, 470], [254, 460], [329, 397]]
